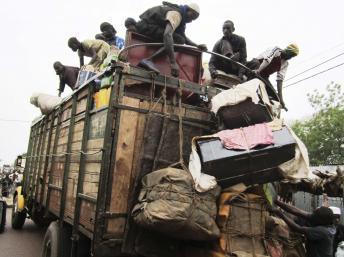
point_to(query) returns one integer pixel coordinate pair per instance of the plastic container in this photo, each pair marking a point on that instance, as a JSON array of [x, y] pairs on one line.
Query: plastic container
[[102, 97]]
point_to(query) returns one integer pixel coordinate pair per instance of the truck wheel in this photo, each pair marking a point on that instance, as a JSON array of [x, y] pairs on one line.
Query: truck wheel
[[18, 216], [50, 247]]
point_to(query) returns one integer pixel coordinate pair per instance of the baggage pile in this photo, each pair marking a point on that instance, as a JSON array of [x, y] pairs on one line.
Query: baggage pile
[[219, 205]]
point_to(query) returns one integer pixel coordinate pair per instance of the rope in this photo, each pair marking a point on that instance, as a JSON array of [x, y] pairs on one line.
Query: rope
[[251, 228], [66, 153], [181, 136]]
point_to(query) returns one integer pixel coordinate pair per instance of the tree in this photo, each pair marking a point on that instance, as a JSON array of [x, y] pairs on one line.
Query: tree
[[323, 134]]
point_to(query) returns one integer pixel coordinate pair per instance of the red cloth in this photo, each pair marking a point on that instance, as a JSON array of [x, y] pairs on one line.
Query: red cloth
[[246, 138]]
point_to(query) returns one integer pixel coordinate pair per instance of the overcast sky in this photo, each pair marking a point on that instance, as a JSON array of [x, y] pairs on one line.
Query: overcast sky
[[35, 34]]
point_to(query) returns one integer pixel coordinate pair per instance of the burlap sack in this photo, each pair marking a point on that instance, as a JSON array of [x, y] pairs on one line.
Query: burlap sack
[[168, 203]]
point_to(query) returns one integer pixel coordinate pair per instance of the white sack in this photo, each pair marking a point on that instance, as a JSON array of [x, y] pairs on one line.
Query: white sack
[[239, 94], [298, 167], [203, 182], [46, 103]]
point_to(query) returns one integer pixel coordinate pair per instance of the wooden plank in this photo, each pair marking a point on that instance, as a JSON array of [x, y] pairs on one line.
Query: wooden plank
[[70, 199], [81, 106], [123, 165], [139, 139], [95, 144], [87, 214]]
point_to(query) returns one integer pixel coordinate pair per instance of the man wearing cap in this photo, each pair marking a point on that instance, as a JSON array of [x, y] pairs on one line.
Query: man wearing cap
[[230, 45], [339, 236], [166, 23], [274, 60], [68, 75], [109, 35], [97, 49]]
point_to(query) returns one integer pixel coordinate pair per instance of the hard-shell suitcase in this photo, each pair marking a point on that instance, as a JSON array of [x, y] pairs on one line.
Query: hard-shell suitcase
[[254, 166], [243, 114]]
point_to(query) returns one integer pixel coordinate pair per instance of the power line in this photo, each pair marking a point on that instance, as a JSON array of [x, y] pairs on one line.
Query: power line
[[320, 53], [315, 66], [6, 120], [314, 75]]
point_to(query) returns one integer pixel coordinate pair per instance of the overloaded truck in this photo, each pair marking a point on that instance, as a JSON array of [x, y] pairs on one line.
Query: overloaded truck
[[86, 159]]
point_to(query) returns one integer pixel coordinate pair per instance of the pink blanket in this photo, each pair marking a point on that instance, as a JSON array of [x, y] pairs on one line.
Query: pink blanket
[[246, 138]]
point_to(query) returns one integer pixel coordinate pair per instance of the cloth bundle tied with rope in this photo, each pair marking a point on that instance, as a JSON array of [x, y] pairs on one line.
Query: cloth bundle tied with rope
[[168, 202], [241, 219]]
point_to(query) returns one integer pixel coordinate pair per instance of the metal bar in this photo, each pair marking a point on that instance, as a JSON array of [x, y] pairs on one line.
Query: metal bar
[[57, 135], [81, 176], [67, 158], [28, 160], [32, 160], [52, 186], [112, 215], [105, 167], [37, 153], [36, 184], [87, 198], [67, 168], [171, 116], [47, 158], [266, 82], [144, 76]]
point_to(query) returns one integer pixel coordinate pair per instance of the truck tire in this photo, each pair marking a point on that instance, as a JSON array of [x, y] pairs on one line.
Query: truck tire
[[18, 216], [50, 247]]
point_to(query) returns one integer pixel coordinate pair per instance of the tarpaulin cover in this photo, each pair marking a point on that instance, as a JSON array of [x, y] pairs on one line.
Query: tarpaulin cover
[[168, 203]]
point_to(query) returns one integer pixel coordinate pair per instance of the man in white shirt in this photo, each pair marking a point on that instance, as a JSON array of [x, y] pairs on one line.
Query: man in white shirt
[[274, 60], [166, 23]]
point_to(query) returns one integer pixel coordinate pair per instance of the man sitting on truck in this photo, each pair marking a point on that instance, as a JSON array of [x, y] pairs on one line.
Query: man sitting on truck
[[97, 49], [68, 75], [166, 23], [109, 35], [230, 45], [274, 60]]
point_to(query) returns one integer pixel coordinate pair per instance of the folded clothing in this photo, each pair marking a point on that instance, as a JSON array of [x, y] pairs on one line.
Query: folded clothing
[[246, 138]]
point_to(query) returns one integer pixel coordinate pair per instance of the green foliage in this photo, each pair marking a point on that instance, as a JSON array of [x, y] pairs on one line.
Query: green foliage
[[323, 134]]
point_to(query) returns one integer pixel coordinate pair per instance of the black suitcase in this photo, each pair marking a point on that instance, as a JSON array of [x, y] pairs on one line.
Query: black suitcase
[[243, 114], [3, 207], [254, 166]]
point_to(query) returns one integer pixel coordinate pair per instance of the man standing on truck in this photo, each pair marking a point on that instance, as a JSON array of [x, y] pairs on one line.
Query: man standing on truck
[[230, 45], [68, 75], [109, 35], [274, 60], [97, 49], [166, 23]]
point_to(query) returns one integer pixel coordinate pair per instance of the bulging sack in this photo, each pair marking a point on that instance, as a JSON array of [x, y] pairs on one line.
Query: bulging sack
[[46, 103], [168, 203]]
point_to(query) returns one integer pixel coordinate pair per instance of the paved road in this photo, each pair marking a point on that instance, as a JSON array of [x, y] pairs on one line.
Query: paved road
[[21, 243]]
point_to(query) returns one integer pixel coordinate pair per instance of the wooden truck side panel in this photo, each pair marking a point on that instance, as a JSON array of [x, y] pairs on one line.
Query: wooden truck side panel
[[69, 149]]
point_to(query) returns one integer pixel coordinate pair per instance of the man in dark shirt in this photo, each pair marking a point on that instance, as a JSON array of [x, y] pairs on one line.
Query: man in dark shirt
[[68, 75], [339, 236], [230, 45], [319, 236], [166, 23]]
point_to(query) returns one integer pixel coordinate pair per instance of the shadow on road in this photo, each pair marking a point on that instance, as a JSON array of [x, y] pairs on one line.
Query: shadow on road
[[21, 243]]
